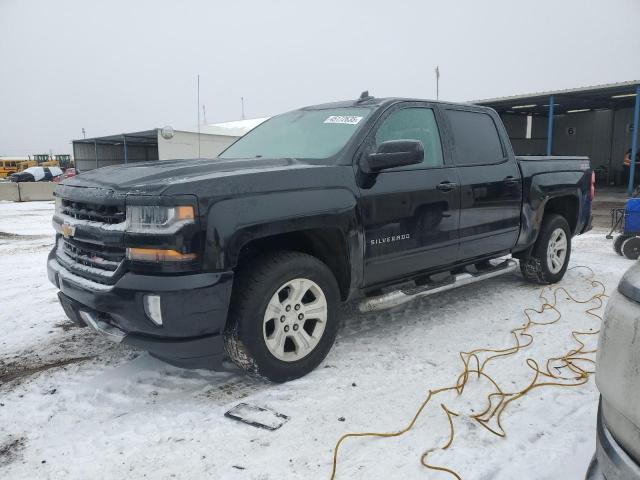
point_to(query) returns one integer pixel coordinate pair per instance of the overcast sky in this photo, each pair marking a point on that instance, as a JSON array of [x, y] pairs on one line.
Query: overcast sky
[[119, 65]]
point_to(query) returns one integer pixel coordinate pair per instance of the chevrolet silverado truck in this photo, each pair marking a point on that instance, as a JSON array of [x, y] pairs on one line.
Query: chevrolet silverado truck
[[249, 255]]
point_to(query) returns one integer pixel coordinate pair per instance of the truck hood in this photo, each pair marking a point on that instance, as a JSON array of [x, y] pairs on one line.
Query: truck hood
[[157, 176]]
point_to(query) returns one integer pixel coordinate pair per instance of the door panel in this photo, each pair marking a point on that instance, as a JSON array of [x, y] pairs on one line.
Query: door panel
[[409, 224], [410, 214], [491, 189], [490, 209]]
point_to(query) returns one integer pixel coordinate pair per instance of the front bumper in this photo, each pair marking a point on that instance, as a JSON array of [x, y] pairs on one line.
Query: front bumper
[[194, 312], [610, 462]]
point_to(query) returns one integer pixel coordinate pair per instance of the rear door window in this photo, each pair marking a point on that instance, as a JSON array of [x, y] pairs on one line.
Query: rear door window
[[475, 138]]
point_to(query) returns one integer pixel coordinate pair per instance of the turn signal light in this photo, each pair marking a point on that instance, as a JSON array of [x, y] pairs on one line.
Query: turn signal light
[[158, 255], [185, 213]]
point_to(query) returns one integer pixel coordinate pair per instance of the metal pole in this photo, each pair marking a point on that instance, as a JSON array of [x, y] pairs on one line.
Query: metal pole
[[242, 103], [198, 115], [126, 156], [550, 125], [634, 142], [611, 145], [95, 150]]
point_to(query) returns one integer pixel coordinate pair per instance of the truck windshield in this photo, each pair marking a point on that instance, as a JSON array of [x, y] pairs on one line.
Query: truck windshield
[[311, 134]]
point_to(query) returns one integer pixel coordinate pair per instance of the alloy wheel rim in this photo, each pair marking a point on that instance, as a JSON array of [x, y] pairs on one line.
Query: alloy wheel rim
[[295, 319], [557, 250]]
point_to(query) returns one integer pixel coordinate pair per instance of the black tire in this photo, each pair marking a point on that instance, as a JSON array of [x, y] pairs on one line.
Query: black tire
[[255, 284], [537, 267], [631, 248], [618, 241]]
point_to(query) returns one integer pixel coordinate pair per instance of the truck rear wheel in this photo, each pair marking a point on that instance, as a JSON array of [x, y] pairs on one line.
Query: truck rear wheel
[[550, 256], [283, 318]]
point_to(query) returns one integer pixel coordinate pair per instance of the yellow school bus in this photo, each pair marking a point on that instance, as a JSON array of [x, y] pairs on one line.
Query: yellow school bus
[[14, 165], [7, 167]]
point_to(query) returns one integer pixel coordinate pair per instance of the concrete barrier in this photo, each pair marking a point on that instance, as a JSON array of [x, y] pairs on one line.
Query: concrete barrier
[[27, 191], [30, 192], [9, 191]]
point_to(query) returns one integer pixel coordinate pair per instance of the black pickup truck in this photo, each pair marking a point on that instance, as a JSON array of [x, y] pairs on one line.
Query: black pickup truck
[[380, 200]]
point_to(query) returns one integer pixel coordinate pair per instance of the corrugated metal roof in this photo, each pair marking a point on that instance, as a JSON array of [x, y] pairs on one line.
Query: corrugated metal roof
[[629, 85], [144, 136]]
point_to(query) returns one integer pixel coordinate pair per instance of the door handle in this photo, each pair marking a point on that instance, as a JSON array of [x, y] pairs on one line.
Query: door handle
[[511, 180], [446, 186]]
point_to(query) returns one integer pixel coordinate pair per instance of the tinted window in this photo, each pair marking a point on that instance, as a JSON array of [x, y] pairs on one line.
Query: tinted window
[[414, 124], [475, 138]]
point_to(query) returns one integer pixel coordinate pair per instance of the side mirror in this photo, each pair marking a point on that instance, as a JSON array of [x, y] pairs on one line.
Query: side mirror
[[395, 153]]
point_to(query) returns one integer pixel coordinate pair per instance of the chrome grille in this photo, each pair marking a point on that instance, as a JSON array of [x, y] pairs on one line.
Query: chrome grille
[[109, 214], [92, 255], [96, 262]]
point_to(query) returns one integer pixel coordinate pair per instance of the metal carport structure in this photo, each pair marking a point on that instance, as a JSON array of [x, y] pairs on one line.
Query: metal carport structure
[[124, 148], [205, 141], [608, 114]]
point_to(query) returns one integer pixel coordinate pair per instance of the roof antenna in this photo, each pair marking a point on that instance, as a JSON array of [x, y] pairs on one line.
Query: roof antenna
[[364, 96]]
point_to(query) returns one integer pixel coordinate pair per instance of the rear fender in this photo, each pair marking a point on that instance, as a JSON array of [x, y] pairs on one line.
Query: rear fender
[[543, 188]]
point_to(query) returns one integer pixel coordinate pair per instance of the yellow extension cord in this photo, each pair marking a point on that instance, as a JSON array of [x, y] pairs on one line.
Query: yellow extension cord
[[473, 366]]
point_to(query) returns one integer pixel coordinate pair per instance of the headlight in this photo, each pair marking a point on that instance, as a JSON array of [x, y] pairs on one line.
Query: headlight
[[158, 219], [58, 201]]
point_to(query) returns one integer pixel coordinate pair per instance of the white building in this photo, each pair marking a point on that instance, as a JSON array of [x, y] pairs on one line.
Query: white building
[[159, 144]]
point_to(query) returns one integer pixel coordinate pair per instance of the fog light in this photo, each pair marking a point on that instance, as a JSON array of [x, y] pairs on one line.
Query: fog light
[[152, 308]]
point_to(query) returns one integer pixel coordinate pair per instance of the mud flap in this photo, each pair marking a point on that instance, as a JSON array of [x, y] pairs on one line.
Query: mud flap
[[257, 416]]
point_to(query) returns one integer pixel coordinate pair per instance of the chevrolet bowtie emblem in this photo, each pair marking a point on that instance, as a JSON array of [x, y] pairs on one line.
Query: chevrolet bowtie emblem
[[68, 230]]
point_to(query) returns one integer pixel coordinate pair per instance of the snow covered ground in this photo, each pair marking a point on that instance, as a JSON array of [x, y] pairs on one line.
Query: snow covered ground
[[75, 406]]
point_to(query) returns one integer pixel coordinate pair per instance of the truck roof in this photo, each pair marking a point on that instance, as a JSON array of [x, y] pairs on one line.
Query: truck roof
[[378, 102]]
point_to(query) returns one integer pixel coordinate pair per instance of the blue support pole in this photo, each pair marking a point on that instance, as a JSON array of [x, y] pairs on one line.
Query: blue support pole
[[550, 125], [126, 153], [634, 142]]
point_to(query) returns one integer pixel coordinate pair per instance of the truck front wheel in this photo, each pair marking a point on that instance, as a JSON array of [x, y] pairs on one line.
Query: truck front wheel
[[283, 318], [550, 256]]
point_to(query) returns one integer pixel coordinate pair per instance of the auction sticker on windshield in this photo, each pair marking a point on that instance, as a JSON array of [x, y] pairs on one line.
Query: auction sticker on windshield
[[346, 119]]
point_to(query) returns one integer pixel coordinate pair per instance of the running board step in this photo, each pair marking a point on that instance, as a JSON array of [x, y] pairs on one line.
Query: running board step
[[399, 297]]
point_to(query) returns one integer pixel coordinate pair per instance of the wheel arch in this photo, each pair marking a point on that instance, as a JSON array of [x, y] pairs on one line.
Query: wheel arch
[[320, 222], [565, 204], [327, 244]]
